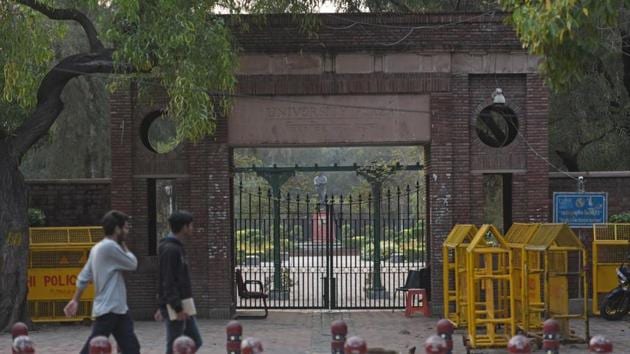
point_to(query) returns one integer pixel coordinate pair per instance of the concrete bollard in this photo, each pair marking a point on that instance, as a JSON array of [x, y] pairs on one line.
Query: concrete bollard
[[251, 345], [435, 345], [445, 330], [339, 330], [551, 336], [100, 345], [184, 345], [19, 329], [600, 344], [234, 332], [355, 345], [519, 344], [22, 345]]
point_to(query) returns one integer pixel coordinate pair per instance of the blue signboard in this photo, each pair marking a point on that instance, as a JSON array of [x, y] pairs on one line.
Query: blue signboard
[[580, 209]]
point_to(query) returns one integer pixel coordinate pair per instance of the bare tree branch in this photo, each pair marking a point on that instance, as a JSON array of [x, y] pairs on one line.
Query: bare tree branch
[[401, 6], [49, 103], [583, 144], [68, 14]]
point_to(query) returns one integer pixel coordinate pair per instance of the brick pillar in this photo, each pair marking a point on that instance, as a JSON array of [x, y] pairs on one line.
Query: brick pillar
[[440, 180], [218, 187], [537, 110], [122, 106], [459, 136]]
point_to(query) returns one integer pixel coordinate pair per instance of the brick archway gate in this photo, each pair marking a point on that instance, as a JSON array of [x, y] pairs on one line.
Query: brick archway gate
[[396, 80]]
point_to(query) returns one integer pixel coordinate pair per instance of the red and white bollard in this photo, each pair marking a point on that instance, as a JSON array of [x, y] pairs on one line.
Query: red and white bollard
[[435, 345], [355, 345], [19, 329], [339, 330], [234, 332], [600, 344], [184, 345], [551, 336], [519, 345], [251, 345], [445, 330], [100, 345], [22, 345]]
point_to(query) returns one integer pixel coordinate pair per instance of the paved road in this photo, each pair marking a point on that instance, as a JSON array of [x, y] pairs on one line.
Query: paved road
[[300, 333]]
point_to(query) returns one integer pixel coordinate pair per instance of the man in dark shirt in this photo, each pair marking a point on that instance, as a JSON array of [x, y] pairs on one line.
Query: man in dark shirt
[[174, 281]]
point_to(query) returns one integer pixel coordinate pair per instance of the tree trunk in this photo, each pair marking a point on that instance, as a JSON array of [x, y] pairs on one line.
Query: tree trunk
[[13, 239]]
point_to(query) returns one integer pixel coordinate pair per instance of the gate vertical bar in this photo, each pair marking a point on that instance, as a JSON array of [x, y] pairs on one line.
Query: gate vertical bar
[[376, 271], [339, 258], [347, 238], [297, 256], [329, 256], [309, 237], [399, 249]]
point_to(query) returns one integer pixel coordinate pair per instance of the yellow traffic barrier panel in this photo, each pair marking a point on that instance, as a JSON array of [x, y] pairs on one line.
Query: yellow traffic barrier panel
[[454, 272], [56, 256], [528, 297], [548, 251], [611, 246], [491, 322]]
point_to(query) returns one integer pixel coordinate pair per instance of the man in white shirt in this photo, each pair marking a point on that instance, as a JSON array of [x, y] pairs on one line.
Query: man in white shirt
[[104, 267]]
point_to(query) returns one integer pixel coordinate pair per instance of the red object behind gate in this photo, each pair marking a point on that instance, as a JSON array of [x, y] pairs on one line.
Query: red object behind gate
[[417, 301]]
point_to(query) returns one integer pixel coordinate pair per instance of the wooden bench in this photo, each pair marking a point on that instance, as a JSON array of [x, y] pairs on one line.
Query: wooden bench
[[244, 293]]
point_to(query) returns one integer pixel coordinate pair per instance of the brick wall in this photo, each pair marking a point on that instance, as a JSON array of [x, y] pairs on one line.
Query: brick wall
[[70, 202]]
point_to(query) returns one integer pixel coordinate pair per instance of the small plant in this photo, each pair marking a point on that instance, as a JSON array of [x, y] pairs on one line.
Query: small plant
[[36, 217], [620, 218], [285, 276], [355, 242], [387, 248]]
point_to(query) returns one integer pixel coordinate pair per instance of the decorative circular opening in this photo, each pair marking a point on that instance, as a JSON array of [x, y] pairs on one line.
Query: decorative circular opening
[[159, 133], [497, 125]]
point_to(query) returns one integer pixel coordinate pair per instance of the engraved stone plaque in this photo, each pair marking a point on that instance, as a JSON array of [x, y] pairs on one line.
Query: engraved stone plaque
[[330, 120]]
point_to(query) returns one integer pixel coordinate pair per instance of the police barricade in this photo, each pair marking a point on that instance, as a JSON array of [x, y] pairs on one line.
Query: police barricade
[[611, 247], [56, 256], [454, 272]]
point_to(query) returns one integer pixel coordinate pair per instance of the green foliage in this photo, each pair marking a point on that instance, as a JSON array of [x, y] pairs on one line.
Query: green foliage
[[296, 233], [378, 170], [189, 51], [253, 242], [36, 217], [387, 248], [26, 51], [412, 234], [354, 242], [620, 218], [346, 231], [412, 251], [286, 281], [248, 235], [568, 33], [181, 46]]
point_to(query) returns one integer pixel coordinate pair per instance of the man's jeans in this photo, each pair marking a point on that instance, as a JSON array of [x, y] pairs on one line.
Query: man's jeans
[[175, 329], [121, 327]]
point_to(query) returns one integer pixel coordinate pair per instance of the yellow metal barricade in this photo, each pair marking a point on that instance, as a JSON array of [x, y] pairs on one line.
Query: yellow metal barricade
[[548, 251], [490, 294], [56, 256], [611, 246], [527, 274], [454, 272]]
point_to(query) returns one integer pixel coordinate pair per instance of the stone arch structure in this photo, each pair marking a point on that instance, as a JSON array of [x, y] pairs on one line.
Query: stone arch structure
[[424, 75]]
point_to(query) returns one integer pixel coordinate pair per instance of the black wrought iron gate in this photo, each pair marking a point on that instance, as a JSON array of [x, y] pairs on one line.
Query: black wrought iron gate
[[347, 252]]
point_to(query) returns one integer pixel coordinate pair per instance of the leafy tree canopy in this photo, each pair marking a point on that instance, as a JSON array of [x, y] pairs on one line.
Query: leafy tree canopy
[[181, 45], [571, 35]]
